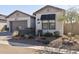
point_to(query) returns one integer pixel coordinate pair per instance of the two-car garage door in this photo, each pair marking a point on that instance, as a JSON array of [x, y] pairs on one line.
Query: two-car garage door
[[16, 24]]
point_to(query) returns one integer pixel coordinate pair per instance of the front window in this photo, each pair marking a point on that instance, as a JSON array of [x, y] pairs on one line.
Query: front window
[[48, 25], [48, 17], [45, 25], [48, 21], [52, 25]]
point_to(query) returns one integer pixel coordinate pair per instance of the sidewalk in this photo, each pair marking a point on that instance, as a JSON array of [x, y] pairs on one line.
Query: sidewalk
[[4, 38]]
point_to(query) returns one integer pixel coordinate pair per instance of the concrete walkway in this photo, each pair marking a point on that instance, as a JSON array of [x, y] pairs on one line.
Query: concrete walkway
[[4, 38]]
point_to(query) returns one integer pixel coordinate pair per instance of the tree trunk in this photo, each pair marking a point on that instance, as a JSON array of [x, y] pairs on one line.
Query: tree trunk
[[71, 27]]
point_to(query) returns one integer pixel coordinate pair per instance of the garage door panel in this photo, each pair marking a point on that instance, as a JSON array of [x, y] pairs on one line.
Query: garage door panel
[[17, 24]]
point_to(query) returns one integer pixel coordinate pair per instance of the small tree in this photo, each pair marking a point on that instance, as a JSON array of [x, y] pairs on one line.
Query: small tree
[[71, 15]]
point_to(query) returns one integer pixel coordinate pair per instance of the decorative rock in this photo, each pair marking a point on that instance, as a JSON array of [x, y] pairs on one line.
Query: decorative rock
[[15, 33]]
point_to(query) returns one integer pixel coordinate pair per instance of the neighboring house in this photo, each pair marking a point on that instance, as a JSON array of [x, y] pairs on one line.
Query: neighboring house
[[47, 19], [20, 20], [3, 18], [3, 22]]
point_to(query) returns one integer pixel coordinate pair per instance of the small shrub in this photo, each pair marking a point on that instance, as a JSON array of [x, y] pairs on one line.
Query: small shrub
[[30, 37], [48, 34], [6, 28], [22, 35], [57, 34], [43, 40], [46, 42]]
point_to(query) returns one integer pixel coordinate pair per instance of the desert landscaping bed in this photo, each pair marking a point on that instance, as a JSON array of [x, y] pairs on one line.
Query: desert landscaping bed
[[72, 44]]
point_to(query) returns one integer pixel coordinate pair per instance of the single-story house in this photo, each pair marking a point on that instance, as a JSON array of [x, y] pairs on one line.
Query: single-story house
[[47, 19], [3, 18], [3, 22], [20, 20], [43, 20]]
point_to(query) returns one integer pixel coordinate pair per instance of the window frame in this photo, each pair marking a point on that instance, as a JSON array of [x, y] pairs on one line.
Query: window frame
[[48, 28], [43, 26], [54, 25]]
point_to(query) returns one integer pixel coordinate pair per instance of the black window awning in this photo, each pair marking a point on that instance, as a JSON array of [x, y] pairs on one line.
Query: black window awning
[[48, 17]]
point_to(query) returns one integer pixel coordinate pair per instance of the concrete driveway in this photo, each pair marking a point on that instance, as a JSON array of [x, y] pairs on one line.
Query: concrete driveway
[[6, 38], [5, 35], [24, 42]]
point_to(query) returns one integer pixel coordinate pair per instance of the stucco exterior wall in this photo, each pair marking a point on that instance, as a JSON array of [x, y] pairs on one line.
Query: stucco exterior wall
[[18, 14], [49, 10], [3, 19]]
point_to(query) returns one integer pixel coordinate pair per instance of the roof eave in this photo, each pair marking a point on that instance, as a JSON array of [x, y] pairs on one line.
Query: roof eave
[[18, 11], [49, 6]]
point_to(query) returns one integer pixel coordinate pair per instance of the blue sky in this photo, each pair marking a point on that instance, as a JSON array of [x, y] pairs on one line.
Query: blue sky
[[7, 9]]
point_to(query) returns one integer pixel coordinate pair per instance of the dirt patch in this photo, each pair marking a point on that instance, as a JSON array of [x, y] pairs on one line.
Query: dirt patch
[[6, 49]]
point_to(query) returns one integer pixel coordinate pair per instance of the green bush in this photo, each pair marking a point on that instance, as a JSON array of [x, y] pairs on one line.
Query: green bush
[[48, 34], [21, 33], [56, 34]]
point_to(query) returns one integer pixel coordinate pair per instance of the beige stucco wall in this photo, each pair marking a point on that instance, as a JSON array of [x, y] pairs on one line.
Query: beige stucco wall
[[18, 14], [3, 19], [49, 10]]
